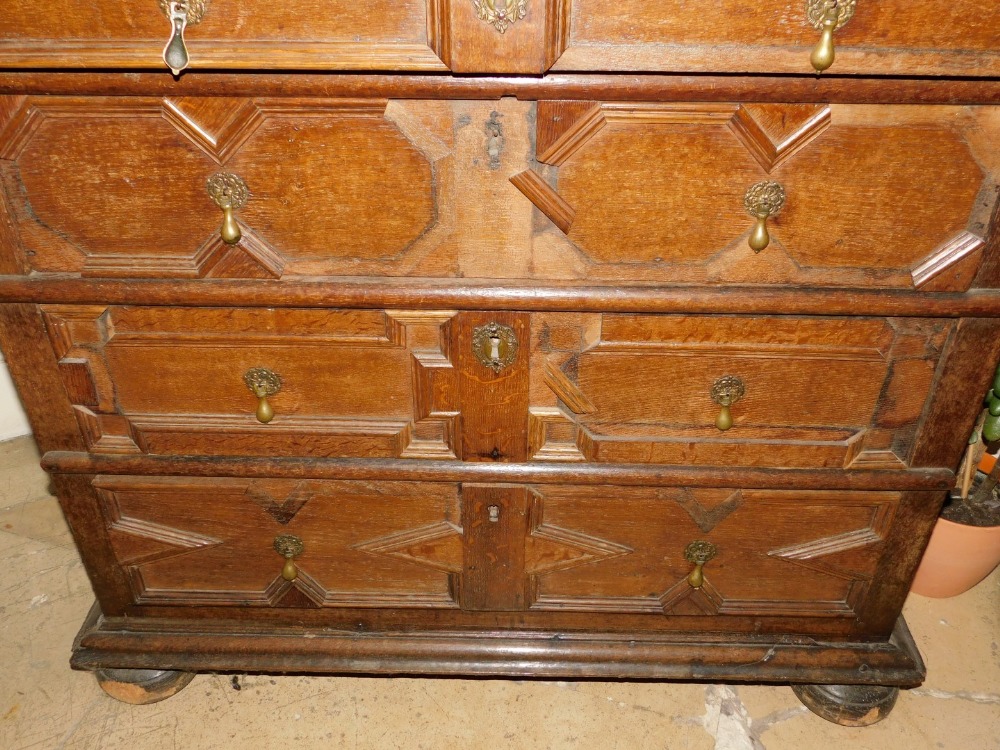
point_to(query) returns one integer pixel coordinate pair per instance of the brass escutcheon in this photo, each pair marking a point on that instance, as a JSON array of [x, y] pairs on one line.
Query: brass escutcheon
[[762, 200], [726, 391], [229, 192], [289, 547], [181, 14], [263, 383], [698, 552], [495, 345], [501, 14], [826, 16]]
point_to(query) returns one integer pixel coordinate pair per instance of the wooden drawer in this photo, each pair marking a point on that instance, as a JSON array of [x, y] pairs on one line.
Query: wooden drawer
[[900, 37], [933, 37], [121, 188], [817, 392], [376, 34], [545, 552], [873, 196], [773, 553], [191, 542], [172, 380]]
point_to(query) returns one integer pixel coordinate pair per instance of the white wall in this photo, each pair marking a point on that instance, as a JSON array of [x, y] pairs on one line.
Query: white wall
[[13, 422]]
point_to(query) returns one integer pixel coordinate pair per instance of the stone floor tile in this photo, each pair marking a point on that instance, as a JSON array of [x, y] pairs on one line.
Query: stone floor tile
[[21, 478]]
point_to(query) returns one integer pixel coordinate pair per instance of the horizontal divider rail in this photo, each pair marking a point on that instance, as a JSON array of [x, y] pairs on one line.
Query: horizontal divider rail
[[71, 462], [489, 295]]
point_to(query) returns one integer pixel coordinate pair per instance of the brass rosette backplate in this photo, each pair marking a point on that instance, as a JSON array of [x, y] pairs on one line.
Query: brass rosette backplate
[[227, 190], [194, 9], [816, 11], [764, 199]]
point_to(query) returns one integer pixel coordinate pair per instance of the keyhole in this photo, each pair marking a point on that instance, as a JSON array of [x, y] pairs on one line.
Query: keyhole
[[495, 348], [494, 513]]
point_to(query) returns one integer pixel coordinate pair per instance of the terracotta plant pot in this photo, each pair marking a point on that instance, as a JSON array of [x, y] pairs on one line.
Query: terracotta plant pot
[[957, 558]]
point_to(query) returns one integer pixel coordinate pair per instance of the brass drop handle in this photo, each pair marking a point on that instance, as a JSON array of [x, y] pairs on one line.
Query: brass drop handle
[[181, 14], [229, 192], [263, 383], [699, 553], [289, 547], [763, 200], [827, 16], [726, 391]]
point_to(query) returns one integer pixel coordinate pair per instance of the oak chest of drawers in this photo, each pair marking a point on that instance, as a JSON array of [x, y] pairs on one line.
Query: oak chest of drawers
[[644, 352]]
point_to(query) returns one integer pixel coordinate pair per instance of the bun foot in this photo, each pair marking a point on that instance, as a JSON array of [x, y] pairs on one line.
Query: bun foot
[[141, 686], [848, 705]]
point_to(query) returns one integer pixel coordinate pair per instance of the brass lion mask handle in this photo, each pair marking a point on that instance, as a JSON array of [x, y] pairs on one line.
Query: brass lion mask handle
[[229, 192], [827, 16], [289, 547], [726, 391], [263, 383], [699, 552], [763, 200]]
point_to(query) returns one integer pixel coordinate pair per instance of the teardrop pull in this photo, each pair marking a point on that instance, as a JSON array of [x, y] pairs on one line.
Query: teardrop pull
[[823, 53], [725, 419], [265, 412], [230, 231], [759, 238], [175, 54]]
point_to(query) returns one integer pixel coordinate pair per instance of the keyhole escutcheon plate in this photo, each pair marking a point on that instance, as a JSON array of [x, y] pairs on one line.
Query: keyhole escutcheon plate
[[495, 345]]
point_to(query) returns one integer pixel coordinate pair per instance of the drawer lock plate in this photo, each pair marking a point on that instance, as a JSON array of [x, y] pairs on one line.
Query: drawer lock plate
[[495, 345]]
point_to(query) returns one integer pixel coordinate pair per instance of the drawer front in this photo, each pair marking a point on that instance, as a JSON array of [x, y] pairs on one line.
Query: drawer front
[[813, 392], [929, 37], [536, 553], [191, 542], [175, 380], [803, 392], [874, 196], [848, 195], [763, 553], [380, 34], [903, 37]]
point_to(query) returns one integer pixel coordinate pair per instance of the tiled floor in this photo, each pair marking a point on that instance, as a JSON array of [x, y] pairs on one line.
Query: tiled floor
[[44, 596]]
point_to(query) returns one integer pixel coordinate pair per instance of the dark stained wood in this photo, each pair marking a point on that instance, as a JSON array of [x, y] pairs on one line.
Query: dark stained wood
[[465, 294], [848, 705], [375, 35], [457, 471], [777, 553], [468, 44], [989, 270], [963, 379], [634, 221], [87, 522], [643, 387], [914, 519], [932, 37], [494, 418], [578, 86], [495, 525], [187, 542], [195, 645], [531, 521], [327, 406], [34, 372]]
